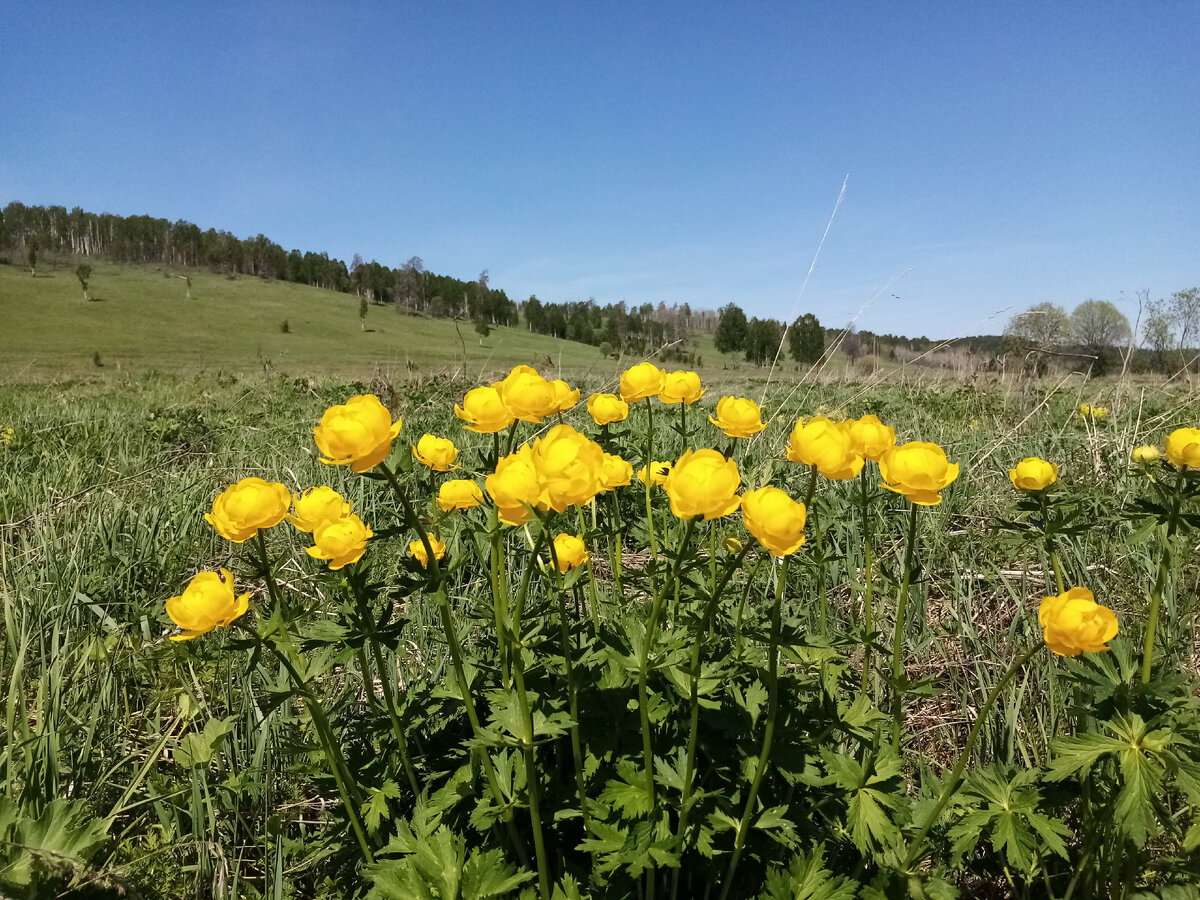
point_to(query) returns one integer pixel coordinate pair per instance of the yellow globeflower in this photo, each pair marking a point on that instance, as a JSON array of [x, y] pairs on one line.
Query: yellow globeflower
[[437, 453], [358, 434], [775, 520], [316, 506], [1183, 448], [484, 411], [681, 387], [514, 486], [569, 467], [530, 396], [569, 552], [1099, 412], [870, 437], [607, 408], [207, 602], [659, 470], [417, 549], [1033, 474], [738, 417], [615, 472], [243, 508], [341, 541], [828, 445], [459, 493], [1084, 410], [703, 483], [1147, 453], [918, 470], [564, 397], [641, 381], [1074, 623]]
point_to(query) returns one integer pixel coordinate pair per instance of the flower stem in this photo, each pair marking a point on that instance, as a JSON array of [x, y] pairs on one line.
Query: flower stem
[[591, 576], [649, 485], [616, 542], [1160, 580], [764, 755], [898, 633], [952, 783], [868, 586], [456, 659]]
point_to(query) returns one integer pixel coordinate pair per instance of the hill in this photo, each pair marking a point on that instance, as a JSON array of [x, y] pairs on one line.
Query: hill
[[140, 318]]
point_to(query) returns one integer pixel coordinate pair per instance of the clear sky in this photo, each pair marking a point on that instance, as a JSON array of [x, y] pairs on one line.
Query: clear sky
[[998, 154]]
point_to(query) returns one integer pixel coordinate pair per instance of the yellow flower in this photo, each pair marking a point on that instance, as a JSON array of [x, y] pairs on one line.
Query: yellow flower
[[316, 506], [1033, 474], [641, 381], [341, 541], [1183, 447], [738, 417], [514, 486], [206, 603], [564, 397], [569, 552], [681, 387], [733, 545], [1099, 412], [358, 434], [458, 493], [775, 520], [417, 549], [1084, 410], [870, 437], [703, 483], [607, 408], [615, 472], [1074, 623], [530, 396], [1147, 453], [828, 445], [437, 453], [484, 411], [243, 508], [659, 470], [569, 468], [7, 437], [918, 470]]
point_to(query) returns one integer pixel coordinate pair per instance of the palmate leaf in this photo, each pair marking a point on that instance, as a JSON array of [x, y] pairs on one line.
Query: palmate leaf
[[629, 796], [871, 790], [806, 878], [375, 807], [437, 867], [63, 837]]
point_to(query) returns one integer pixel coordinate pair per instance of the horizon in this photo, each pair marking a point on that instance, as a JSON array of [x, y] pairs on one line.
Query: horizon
[[993, 158]]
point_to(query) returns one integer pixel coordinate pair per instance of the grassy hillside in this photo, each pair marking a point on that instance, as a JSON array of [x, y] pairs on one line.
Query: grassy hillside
[[140, 319]]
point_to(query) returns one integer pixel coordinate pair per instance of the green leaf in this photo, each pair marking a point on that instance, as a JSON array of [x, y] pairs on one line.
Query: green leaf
[[196, 750], [806, 878], [375, 807], [629, 796]]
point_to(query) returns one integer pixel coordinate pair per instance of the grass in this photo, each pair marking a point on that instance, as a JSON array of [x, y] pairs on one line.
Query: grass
[[105, 482], [140, 320]]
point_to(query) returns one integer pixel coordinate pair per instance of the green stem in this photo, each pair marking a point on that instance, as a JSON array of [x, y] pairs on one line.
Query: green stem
[[868, 586], [456, 659], [528, 749], [1160, 580], [616, 542], [572, 691], [694, 671], [764, 755], [953, 782], [500, 597], [333, 754], [898, 633], [649, 484], [1051, 548], [644, 671], [385, 682], [591, 576]]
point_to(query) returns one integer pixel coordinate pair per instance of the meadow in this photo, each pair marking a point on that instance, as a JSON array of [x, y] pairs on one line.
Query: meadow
[[688, 711], [140, 766]]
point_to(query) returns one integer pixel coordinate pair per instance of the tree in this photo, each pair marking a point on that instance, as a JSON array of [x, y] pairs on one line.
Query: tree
[[851, 343], [806, 339], [482, 328], [362, 313], [1158, 331], [731, 331], [1098, 327], [762, 340], [1185, 314], [83, 272], [31, 254], [1043, 326]]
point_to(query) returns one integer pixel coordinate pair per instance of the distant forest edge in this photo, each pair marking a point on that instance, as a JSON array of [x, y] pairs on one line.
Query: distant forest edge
[[1095, 337]]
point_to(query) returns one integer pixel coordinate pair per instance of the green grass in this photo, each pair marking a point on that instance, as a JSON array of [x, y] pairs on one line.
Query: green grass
[[139, 320], [104, 486]]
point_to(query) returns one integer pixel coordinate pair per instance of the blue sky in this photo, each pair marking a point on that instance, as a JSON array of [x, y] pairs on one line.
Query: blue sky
[[998, 154]]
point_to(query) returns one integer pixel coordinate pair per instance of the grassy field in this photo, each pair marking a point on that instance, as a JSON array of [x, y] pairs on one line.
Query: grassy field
[[140, 320], [103, 486]]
